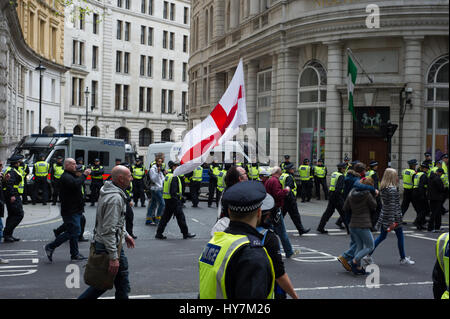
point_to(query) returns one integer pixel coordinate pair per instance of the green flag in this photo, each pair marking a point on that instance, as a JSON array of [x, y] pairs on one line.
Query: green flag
[[351, 80]]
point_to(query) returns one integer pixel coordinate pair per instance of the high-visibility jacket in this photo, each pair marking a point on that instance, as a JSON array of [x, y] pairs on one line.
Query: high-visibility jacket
[[253, 172], [444, 177], [129, 190], [197, 175], [442, 257], [21, 185], [96, 169], [370, 174], [213, 264], [163, 166], [215, 170], [408, 176], [305, 172], [138, 172], [23, 170], [283, 178], [41, 169], [417, 180], [221, 180], [320, 171], [58, 170], [166, 186], [333, 182]]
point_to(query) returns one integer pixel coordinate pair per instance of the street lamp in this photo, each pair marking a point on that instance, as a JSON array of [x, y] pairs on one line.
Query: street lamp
[[86, 93], [41, 69]]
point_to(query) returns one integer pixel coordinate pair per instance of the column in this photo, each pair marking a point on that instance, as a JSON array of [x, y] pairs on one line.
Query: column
[[334, 108]]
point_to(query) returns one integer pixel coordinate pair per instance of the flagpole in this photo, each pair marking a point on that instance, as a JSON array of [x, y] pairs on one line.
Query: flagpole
[[359, 63]]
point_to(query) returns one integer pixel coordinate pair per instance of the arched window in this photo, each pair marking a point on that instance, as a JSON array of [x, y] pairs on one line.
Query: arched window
[[145, 137], [165, 135], [95, 131], [437, 108], [312, 86], [123, 133], [48, 130], [77, 130]]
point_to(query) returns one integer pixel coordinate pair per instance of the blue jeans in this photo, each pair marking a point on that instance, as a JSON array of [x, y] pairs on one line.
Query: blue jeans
[[350, 253], [400, 240], [72, 233], [364, 242], [1, 228], [121, 282], [157, 199], [280, 230]]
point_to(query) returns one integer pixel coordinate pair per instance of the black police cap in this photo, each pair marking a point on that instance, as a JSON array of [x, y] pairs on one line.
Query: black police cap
[[15, 158], [342, 165], [440, 170], [427, 154], [354, 162], [289, 166], [96, 160], [79, 168], [286, 156], [80, 159], [245, 197], [425, 164], [373, 163], [444, 156], [413, 162]]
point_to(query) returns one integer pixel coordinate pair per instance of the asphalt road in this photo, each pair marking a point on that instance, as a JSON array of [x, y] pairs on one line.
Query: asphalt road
[[169, 268]]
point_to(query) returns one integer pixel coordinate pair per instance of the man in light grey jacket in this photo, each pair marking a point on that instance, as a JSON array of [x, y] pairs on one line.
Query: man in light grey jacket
[[109, 226]]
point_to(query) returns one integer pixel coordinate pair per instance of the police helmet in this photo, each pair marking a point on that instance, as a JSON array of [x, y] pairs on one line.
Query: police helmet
[[413, 162]]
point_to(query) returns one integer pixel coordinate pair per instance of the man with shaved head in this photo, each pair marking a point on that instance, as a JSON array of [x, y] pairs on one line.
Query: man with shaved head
[[110, 229], [72, 206]]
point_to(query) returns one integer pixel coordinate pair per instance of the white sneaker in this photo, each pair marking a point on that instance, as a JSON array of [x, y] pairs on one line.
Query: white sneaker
[[368, 260], [407, 261], [4, 261]]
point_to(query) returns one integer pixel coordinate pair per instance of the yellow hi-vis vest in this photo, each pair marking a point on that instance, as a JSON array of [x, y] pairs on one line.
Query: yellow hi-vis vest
[[57, 171], [442, 257], [129, 190], [93, 169], [334, 178], [283, 183], [408, 176], [197, 174], [417, 179], [41, 169], [221, 180], [305, 172], [213, 264], [166, 186], [370, 174], [23, 169], [253, 172], [320, 171], [21, 185], [138, 172]]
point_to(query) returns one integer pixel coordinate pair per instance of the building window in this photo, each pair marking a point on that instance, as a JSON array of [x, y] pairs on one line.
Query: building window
[[118, 61], [185, 43], [81, 55], [149, 66], [263, 105], [119, 30], [150, 7], [149, 99], [126, 62], [172, 41], [170, 102], [94, 57], [313, 84], [437, 108], [127, 4], [165, 135], [183, 102], [142, 66], [164, 44], [150, 36], [122, 133], [141, 99], [165, 9], [95, 23], [163, 101], [171, 66], [145, 137], [143, 6], [53, 43], [77, 130], [118, 96], [127, 31], [186, 15], [125, 97], [94, 94], [143, 34], [95, 131], [119, 3], [164, 68], [184, 77], [172, 11]]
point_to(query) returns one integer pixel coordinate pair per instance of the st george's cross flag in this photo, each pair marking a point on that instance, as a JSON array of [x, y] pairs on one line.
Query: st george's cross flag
[[218, 127]]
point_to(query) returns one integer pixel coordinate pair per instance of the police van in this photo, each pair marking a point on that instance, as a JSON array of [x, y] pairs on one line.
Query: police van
[[74, 146]]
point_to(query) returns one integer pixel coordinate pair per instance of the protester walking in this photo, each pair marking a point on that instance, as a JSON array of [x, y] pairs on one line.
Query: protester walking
[[156, 189]]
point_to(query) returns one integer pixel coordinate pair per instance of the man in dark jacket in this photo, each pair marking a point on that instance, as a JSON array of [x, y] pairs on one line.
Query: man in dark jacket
[[72, 206], [420, 201], [436, 195], [97, 172]]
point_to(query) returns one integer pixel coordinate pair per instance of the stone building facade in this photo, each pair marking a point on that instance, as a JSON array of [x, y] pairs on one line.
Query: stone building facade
[[132, 56], [19, 80], [295, 62]]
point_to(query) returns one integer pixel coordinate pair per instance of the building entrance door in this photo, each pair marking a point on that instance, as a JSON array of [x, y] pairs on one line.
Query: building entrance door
[[369, 149]]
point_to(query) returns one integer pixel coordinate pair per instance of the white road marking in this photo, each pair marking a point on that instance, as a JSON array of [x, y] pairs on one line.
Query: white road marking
[[131, 297], [421, 237], [12, 270], [364, 286]]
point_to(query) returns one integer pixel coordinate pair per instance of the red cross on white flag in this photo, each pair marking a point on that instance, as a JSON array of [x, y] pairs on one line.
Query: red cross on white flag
[[218, 127]]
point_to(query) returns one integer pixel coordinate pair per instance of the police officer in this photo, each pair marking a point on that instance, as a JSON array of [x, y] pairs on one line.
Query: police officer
[[429, 160], [286, 162], [118, 162], [96, 180], [249, 273], [336, 197], [220, 183], [172, 194], [347, 164], [213, 173], [80, 161], [320, 178], [194, 185], [441, 268], [40, 170], [290, 202], [436, 195], [56, 170], [138, 172], [305, 180], [373, 167], [24, 170], [253, 171], [420, 202], [12, 191], [408, 183]]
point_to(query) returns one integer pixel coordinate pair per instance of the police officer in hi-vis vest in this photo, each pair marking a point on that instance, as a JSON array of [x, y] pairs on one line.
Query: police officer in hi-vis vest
[[408, 183], [305, 180], [194, 185], [138, 173], [213, 173], [97, 172], [235, 264], [24, 170], [286, 162], [420, 201], [13, 189], [56, 170], [441, 268], [172, 194], [336, 197], [320, 178], [40, 171]]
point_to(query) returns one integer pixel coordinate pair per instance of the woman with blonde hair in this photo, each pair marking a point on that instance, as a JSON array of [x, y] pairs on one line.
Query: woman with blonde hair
[[390, 216]]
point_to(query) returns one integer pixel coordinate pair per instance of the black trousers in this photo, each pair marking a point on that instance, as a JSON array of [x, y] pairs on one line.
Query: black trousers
[[290, 207], [61, 229], [56, 189], [95, 189], [129, 217], [334, 203], [138, 191], [420, 204], [436, 215], [172, 208], [15, 215], [321, 181], [194, 188], [376, 213], [40, 183], [26, 193], [306, 190], [212, 188], [407, 199]]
